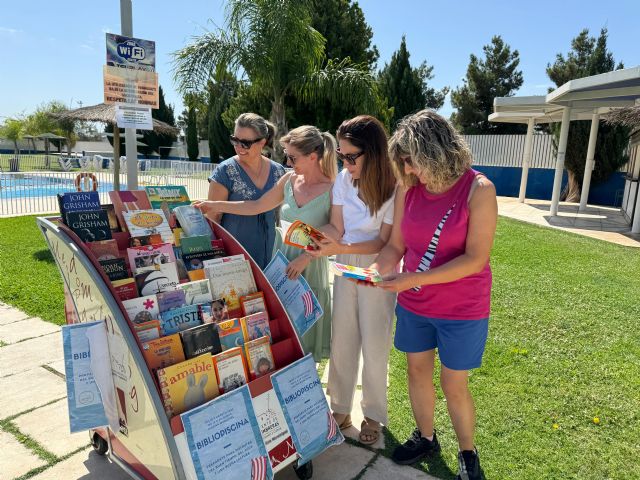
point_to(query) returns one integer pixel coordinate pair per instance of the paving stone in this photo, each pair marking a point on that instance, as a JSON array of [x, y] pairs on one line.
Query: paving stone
[[49, 426], [28, 328], [342, 462], [58, 366], [84, 465], [27, 390], [385, 468], [15, 458], [30, 354], [11, 315]]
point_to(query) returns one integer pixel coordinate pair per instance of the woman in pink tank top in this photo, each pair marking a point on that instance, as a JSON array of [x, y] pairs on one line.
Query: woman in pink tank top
[[444, 225]]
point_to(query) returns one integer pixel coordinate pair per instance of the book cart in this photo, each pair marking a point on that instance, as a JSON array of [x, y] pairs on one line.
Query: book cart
[[147, 444]]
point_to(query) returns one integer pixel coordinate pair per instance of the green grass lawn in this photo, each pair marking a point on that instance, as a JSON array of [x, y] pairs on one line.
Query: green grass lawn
[[563, 349]]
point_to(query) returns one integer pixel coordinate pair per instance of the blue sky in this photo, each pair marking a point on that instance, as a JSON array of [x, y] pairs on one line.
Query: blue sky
[[55, 50]]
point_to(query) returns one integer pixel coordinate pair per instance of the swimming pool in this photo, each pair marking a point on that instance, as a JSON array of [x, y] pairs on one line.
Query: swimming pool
[[27, 186]]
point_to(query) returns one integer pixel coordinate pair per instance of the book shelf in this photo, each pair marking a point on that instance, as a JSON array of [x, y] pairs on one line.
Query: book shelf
[[147, 444]]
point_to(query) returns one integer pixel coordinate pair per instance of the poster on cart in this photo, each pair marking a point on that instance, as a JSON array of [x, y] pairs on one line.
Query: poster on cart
[[83, 397], [299, 391], [224, 439], [298, 299]]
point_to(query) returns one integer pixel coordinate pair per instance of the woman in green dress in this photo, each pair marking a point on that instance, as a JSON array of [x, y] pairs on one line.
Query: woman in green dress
[[305, 194]]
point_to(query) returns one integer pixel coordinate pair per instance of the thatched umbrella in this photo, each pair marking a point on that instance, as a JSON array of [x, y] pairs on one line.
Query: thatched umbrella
[[47, 137], [626, 117], [106, 113]]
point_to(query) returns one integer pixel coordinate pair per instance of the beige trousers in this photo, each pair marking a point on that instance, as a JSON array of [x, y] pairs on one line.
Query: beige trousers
[[362, 321]]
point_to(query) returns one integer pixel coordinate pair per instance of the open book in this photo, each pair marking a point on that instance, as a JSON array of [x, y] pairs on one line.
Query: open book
[[358, 273], [300, 235]]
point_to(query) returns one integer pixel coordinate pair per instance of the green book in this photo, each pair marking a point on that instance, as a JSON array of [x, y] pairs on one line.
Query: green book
[[195, 244]]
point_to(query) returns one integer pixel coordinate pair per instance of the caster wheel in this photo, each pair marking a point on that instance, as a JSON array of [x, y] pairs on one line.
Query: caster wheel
[[99, 444], [304, 472]]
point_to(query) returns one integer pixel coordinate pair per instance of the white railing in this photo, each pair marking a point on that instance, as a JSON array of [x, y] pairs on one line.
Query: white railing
[[32, 189], [507, 150]]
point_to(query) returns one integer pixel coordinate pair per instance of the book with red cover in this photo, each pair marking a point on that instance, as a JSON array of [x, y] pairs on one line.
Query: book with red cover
[[126, 289], [127, 200], [104, 249]]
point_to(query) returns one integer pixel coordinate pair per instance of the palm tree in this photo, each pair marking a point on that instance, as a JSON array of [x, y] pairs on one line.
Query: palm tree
[[273, 44]]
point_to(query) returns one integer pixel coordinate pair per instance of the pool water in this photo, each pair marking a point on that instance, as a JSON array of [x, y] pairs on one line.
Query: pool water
[[23, 186]]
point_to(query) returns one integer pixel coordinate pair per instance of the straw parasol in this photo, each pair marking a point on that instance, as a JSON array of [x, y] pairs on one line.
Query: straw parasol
[[106, 113], [627, 117]]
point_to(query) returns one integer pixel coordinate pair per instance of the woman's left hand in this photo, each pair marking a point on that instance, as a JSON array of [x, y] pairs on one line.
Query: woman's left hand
[[399, 282], [297, 266]]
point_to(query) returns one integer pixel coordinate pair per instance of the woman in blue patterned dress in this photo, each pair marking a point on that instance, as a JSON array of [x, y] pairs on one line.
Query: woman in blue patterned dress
[[247, 176]]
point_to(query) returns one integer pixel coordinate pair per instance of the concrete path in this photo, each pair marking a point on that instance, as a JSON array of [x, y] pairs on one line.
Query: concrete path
[[34, 428]]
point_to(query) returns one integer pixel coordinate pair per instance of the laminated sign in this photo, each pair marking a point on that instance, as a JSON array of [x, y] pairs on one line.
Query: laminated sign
[[131, 53], [136, 87]]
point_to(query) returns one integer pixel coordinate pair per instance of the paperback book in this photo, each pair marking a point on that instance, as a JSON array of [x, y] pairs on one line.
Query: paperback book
[[126, 200], [199, 340], [160, 278], [302, 235], [230, 333], [231, 281], [253, 303], [195, 261], [111, 215], [259, 356], [178, 319], [144, 240], [148, 330], [167, 196], [255, 326], [188, 384], [126, 288], [358, 273], [215, 311], [196, 243], [89, 225], [147, 222], [104, 249], [192, 221], [230, 369], [197, 292], [115, 268], [171, 299], [78, 202], [142, 309], [163, 351], [150, 255]]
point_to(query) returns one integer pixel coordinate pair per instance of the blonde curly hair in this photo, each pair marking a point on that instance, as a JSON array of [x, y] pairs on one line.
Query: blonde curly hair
[[438, 153]]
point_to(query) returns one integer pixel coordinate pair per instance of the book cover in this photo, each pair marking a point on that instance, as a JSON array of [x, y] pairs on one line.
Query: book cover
[[259, 357], [253, 303], [197, 292], [188, 384], [231, 281], [126, 200], [195, 275], [215, 311], [255, 326], [195, 261], [147, 222], [230, 333], [89, 225], [301, 235], [111, 214], [115, 268], [359, 273], [192, 221], [178, 319], [196, 243], [218, 260], [142, 309], [169, 196], [199, 340], [78, 202], [171, 299], [150, 255], [144, 240], [230, 369], [126, 288], [160, 278], [163, 352], [148, 330], [217, 246], [104, 249], [177, 235]]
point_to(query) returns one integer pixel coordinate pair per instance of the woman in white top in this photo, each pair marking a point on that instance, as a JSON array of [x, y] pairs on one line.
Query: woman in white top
[[361, 218]]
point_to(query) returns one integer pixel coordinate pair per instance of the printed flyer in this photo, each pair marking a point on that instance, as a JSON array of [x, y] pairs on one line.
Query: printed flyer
[[299, 391], [224, 439], [83, 397], [297, 297]]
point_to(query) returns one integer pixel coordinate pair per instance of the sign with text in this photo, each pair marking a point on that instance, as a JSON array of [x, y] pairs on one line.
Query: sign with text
[[224, 439], [136, 87], [131, 53], [83, 397], [128, 116], [311, 424]]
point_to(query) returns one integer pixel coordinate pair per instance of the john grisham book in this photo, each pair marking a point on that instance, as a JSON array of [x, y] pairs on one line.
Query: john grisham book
[[90, 226]]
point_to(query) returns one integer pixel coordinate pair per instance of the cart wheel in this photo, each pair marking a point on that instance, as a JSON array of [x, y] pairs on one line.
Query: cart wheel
[[99, 444], [304, 472]]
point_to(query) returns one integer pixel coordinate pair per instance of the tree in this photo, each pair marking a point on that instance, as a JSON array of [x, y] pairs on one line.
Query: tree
[[192, 131], [407, 88], [13, 129], [154, 140], [43, 120], [588, 56], [281, 55], [495, 76]]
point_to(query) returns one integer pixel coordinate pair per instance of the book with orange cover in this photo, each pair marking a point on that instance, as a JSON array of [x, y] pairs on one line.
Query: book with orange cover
[[148, 330], [301, 235], [163, 352], [231, 369], [187, 384], [259, 357], [253, 303], [255, 326]]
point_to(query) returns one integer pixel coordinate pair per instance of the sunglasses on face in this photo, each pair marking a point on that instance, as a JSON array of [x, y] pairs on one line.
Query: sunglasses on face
[[291, 158], [246, 144], [350, 158]]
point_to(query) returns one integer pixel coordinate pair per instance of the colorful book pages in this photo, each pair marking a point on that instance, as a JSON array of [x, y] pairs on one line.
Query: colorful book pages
[[255, 326], [192, 221], [146, 222], [301, 235], [163, 351], [259, 356], [230, 333], [230, 369], [178, 319], [359, 273]]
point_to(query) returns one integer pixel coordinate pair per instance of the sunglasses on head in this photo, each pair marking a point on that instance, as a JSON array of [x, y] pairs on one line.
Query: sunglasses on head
[[235, 141], [348, 157]]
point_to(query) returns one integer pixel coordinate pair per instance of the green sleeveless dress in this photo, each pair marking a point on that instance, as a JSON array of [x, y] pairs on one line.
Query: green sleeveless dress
[[316, 213]]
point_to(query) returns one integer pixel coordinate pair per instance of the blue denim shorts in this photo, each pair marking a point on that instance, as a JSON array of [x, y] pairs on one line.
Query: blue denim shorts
[[460, 343]]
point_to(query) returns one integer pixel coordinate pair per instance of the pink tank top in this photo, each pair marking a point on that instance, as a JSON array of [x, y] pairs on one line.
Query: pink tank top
[[434, 228]]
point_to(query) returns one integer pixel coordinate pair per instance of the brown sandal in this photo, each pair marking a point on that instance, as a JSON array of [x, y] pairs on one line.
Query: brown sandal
[[343, 420], [369, 428]]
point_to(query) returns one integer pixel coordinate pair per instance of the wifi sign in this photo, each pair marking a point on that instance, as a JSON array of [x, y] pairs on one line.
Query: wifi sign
[[131, 51]]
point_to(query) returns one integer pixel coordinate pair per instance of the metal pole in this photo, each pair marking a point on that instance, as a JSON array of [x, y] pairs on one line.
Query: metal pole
[[562, 151], [590, 163], [526, 160], [126, 27]]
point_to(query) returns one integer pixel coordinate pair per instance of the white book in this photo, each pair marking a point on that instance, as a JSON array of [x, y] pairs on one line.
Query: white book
[[146, 222], [217, 261], [142, 309], [231, 281], [197, 292]]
